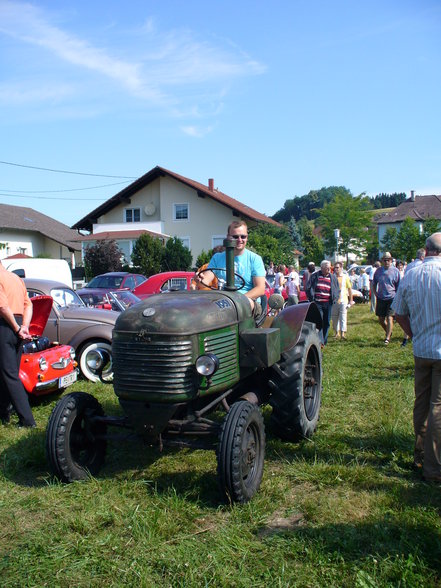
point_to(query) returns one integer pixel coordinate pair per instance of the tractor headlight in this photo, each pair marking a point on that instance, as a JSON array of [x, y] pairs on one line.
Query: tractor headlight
[[43, 364], [207, 365]]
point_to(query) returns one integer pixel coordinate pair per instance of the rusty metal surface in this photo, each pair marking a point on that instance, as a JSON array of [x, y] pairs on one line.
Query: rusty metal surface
[[290, 322]]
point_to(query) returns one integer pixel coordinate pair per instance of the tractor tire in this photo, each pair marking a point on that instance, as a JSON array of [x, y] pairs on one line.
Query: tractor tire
[[75, 444], [296, 383], [241, 452]]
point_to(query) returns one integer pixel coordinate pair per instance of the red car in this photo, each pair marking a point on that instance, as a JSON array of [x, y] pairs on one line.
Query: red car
[[45, 367], [164, 282]]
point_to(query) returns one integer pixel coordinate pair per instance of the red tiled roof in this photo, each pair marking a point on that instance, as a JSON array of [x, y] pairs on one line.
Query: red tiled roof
[[118, 235], [19, 256], [203, 190]]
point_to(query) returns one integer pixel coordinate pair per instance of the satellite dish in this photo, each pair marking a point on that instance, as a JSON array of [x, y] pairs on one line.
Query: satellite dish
[[150, 209]]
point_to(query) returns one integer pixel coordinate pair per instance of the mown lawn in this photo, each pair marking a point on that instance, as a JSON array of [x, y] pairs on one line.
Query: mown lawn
[[343, 509]]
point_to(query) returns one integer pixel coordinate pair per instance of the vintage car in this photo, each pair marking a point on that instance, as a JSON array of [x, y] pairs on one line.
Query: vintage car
[[117, 300], [45, 366], [164, 282], [71, 322], [110, 281]]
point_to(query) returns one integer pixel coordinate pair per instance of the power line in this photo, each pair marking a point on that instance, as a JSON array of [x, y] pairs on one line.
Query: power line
[[61, 171], [62, 190], [49, 197]]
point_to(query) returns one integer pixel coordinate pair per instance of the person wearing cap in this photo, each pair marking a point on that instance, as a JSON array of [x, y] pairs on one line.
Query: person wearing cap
[[385, 284], [417, 308], [15, 318]]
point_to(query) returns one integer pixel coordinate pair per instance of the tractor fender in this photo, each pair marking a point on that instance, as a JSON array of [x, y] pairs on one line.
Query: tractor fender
[[290, 322]]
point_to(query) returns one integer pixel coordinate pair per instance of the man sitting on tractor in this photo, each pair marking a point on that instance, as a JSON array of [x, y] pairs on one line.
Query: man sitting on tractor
[[247, 264]]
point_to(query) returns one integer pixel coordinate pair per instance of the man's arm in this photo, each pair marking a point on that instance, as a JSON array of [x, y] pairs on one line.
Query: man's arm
[[8, 316], [404, 322], [258, 289]]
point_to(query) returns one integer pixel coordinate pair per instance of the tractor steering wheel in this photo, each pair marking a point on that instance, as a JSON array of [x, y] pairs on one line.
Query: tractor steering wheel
[[221, 269]]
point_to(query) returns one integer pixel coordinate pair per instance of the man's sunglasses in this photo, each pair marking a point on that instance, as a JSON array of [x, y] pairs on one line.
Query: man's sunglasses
[[239, 237]]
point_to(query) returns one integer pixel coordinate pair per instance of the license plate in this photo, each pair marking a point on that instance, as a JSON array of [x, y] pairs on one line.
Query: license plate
[[65, 381]]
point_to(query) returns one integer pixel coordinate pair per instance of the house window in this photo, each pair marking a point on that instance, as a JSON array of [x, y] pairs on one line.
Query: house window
[[185, 241], [217, 240], [181, 212], [132, 215]]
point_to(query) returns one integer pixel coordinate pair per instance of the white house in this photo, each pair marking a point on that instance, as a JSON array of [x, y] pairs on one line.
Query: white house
[[166, 204], [28, 232], [418, 208]]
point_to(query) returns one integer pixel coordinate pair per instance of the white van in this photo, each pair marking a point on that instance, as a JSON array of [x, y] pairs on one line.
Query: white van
[[41, 269]]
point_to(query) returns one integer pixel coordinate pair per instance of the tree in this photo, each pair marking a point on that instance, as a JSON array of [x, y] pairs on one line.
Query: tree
[[147, 255], [176, 256], [271, 243], [404, 243], [294, 232], [308, 205], [204, 257], [387, 200], [408, 240], [104, 256], [312, 247], [351, 216], [431, 225]]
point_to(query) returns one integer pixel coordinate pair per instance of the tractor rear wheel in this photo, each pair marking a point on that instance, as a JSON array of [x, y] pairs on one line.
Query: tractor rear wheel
[[75, 443], [296, 383], [241, 452]]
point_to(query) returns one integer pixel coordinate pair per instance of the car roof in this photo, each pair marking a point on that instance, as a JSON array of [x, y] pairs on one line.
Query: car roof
[[117, 274], [44, 284]]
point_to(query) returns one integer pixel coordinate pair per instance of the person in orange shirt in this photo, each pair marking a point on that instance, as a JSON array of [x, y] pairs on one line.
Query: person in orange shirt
[[199, 282], [15, 318]]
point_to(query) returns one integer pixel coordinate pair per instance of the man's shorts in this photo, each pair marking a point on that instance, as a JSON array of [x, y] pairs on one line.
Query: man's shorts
[[383, 307]]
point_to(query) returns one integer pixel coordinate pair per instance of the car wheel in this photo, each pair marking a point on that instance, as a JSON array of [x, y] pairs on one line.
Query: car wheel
[[95, 361]]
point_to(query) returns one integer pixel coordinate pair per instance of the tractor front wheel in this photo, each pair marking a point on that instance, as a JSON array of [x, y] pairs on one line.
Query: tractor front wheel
[[241, 452], [75, 440]]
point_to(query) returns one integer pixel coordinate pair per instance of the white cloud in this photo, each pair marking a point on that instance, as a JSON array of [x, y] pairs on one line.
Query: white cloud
[[197, 132], [174, 70]]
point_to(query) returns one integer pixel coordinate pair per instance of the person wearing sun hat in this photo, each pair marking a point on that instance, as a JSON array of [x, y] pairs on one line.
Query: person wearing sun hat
[[385, 284]]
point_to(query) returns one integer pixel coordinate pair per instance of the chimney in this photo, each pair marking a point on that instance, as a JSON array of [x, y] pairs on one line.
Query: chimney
[[211, 184], [412, 195]]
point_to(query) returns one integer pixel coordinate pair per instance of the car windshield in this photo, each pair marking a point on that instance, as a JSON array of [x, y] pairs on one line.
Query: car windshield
[[64, 297], [111, 282], [125, 297]]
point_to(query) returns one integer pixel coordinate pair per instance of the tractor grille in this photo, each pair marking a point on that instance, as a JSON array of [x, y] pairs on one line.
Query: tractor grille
[[144, 368], [225, 346]]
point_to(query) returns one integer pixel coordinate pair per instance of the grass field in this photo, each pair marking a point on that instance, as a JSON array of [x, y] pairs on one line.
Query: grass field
[[343, 509]]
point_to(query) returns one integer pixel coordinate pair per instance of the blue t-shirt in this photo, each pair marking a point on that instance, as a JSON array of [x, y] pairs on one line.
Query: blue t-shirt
[[248, 265]]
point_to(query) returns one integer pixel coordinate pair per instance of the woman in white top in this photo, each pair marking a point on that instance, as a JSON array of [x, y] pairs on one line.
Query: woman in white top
[[279, 280]]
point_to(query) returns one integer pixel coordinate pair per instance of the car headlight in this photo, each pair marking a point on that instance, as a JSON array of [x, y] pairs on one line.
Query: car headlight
[[72, 353], [207, 365], [43, 364]]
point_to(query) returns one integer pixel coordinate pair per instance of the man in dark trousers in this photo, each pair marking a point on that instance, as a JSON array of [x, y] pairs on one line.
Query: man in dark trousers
[[323, 289], [15, 318]]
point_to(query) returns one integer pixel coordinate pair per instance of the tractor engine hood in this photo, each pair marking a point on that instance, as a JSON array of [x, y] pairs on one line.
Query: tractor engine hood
[[185, 313]]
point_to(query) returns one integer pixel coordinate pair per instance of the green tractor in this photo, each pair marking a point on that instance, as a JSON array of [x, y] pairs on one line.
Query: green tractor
[[181, 357]]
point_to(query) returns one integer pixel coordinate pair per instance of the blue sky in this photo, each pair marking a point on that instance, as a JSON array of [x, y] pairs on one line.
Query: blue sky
[[271, 99]]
